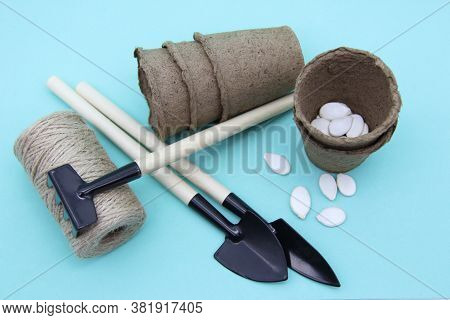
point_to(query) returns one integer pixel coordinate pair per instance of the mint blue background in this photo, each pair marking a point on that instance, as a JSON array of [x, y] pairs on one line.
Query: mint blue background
[[401, 209]]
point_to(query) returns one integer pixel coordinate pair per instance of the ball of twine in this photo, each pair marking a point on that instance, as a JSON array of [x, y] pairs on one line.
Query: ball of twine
[[63, 138]]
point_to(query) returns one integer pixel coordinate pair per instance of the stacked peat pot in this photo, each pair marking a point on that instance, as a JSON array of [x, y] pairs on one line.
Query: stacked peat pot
[[364, 83], [216, 77]]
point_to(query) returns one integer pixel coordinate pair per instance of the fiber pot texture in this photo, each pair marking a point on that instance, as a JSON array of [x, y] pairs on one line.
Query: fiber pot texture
[[334, 160], [161, 83], [63, 138], [198, 75], [363, 82], [253, 67], [216, 77]]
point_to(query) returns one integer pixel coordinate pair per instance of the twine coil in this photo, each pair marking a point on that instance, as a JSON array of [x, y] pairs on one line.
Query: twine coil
[[61, 138]]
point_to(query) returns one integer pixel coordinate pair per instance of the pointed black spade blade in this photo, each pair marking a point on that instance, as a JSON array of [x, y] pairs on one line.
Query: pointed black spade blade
[[257, 255], [302, 257]]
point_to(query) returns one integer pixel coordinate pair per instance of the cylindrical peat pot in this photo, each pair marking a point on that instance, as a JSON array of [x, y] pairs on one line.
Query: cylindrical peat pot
[[364, 83]]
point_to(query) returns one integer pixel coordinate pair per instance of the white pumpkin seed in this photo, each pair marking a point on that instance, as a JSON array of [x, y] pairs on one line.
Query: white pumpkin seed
[[339, 127], [334, 110], [357, 126], [277, 163], [322, 125], [300, 201], [365, 129], [331, 217], [328, 186], [346, 184]]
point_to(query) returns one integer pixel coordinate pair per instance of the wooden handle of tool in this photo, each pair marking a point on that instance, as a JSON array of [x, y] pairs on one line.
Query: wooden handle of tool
[[133, 149], [147, 138], [212, 135]]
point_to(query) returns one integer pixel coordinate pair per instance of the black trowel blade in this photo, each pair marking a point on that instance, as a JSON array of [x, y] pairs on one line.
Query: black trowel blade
[[257, 256], [302, 257]]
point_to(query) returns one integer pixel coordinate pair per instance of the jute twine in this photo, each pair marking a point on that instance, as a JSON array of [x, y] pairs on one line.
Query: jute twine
[[61, 138]]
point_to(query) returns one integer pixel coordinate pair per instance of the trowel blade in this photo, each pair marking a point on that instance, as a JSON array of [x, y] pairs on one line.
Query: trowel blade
[[257, 255], [302, 257]]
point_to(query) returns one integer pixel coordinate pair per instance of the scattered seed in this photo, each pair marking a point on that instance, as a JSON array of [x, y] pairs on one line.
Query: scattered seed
[[346, 184], [300, 201], [328, 186], [331, 217], [277, 163]]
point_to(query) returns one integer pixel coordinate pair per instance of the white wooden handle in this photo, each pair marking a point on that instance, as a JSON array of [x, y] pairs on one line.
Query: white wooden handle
[[212, 135], [131, 147], [147, 138]]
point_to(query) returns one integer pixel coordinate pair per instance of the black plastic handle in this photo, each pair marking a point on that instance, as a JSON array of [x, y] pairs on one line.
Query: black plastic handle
[[111, 180], [76, 195], [238, 206], [201, 205]]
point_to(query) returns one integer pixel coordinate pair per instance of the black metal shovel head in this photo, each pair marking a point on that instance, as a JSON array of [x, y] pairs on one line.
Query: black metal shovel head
[[80, 210], [302, 257], [257, 255]]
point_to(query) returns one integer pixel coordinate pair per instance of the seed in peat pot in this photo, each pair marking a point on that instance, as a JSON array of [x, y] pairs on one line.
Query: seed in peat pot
[[334, 110]]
